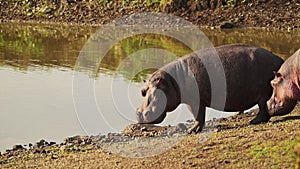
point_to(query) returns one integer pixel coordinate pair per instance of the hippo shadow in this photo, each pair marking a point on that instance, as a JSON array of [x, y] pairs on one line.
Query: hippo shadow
[[287, 118]]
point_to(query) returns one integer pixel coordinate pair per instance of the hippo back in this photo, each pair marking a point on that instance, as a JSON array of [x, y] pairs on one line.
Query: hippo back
[[248, 72]]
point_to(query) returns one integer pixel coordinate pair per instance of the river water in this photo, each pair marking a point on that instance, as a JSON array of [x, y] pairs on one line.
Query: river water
[[38, 97]]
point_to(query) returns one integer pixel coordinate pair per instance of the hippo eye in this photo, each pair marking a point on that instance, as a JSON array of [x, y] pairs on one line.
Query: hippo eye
[[280, 80], [157, 79], [277, 74]]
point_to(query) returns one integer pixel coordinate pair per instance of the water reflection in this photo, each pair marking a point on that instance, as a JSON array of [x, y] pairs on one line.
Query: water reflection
[[40, 46], [281, 43], [36, 64], [34, 47]]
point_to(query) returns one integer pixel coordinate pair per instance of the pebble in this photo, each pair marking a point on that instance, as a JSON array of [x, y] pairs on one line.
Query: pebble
[[227, 25], [47, 10], [17, 147], [54, 156], [41, 143], [62, 148], [143, 129], [52, 143]]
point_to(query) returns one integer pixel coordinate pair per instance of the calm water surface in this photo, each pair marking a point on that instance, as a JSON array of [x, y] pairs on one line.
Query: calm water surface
[[37, 69]]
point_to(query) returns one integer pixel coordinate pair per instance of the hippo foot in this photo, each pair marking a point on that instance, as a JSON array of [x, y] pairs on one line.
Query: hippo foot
[[196, 128], [260, 118], [240, 112]]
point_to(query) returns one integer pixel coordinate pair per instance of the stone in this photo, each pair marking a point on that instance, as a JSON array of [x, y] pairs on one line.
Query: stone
[[52, 143], [54, 156], [143, 129], [47, 10], [41, 143], [17, 147], [227, 25]]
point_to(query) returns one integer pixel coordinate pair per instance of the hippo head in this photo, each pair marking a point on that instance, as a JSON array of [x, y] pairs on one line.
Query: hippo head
[[160, 95], [281, 101]]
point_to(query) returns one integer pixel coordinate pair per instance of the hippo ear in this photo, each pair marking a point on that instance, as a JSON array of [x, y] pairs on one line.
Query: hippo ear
[[161, 84], [156, 81], [277, 74]]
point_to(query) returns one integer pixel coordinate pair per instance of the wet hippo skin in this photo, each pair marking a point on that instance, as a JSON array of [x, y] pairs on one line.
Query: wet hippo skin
[[197, 81], [286, 89]]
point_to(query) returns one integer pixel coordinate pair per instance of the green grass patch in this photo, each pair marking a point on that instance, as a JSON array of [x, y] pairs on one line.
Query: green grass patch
[[276, 152]]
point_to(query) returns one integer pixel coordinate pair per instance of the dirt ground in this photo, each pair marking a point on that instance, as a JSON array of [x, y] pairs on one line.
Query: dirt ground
[[233, 144], [279, 14]]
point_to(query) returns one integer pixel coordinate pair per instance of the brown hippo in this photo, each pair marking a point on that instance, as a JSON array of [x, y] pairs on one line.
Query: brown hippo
[[227, 78], [286, 85]]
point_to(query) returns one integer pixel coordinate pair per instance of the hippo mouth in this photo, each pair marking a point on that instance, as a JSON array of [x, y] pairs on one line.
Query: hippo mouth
[[143, 118], [276, 103], [277, 107]]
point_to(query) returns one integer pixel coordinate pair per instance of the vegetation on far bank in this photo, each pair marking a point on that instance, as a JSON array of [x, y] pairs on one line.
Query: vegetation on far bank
[[282, 14]]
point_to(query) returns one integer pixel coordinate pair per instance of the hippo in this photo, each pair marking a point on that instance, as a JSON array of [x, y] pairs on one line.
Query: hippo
[[230, 78], [286, 87]]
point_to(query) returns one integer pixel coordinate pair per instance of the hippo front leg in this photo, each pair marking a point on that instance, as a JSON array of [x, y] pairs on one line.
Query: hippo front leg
[[263, 115], [199, 116]]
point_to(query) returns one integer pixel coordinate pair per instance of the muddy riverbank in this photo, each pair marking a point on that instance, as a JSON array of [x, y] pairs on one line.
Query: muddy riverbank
[[279, 14], [233, 143]]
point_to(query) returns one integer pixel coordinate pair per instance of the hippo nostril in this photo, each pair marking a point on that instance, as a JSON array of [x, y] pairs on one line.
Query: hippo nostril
[[139, 109], [138, 113], [147, 114], [139, 116]]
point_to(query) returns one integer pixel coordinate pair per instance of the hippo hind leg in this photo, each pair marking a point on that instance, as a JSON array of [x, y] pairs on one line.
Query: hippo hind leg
[[263, 115], [199, 116]]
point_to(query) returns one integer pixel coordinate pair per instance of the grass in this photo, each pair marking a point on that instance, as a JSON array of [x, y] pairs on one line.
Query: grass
[[277, 152]]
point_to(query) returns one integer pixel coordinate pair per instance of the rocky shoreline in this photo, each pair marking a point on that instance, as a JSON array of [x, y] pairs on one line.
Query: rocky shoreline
[[226, 141], [132, 133], [272, 14]]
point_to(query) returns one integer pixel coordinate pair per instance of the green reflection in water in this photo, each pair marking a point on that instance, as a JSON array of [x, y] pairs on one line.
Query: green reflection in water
[[131, 45], [281, 43], [42, 47], [31, 47]]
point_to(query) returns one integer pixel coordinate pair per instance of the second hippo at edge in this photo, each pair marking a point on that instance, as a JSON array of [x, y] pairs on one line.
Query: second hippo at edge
[[286, 85]]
